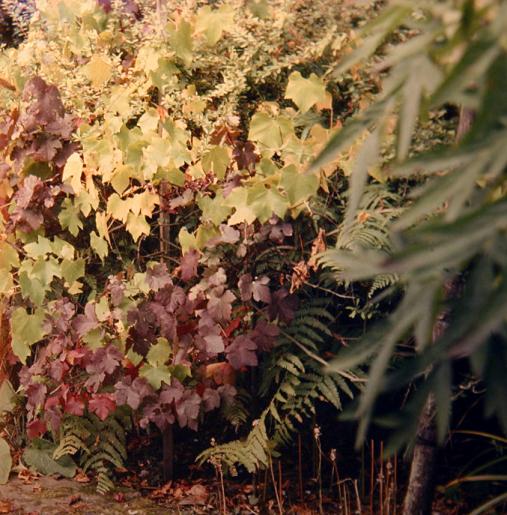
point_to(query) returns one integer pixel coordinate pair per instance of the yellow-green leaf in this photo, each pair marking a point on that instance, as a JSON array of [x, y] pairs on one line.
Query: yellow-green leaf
[[72, 270], [187, 240], [98, 71], [271, 132], [99, 245], [26, 330], [213, 22], [299, 187], [216, 160], [306, 92], [137, 226], [73, 171]]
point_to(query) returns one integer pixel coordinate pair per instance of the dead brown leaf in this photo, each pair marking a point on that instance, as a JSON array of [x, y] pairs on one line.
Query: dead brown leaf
[[299, 276], [5, 507], [81, 477], [73, 499], [318, 246]]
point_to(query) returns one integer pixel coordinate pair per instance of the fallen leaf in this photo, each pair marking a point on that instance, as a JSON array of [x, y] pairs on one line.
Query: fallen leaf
[[5, 507], [81, 477], [119, 497], [73, 499]]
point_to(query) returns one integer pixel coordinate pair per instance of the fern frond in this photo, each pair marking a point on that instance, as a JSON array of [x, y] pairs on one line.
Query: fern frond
[[100, 444], [294, 383]]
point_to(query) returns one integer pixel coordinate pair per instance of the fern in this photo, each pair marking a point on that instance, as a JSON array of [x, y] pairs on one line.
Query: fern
[[101, 445], [294, 383], [381, 282]]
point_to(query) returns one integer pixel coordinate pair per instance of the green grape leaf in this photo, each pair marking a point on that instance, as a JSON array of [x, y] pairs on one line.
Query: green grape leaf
[[214, 210], [98, 71], [266, 201], [181, 42], [26, 330], [6, 281], [6, 397], [306, 92], [121, 178], [159, 353], [8, 256], [216, 160], [238, 199], [69, 217], [213, 22], [137, 226], [299, 187], [187, 240], [270, 132], [72, 270], [40, 248], [45, 270], [32, 288], [73, 171], [156, 375], [99, 245]]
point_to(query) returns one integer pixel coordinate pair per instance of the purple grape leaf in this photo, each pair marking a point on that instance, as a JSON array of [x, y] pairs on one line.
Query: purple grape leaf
[[36, 428], [227, 393], [229, 234], [74, 406], [210, 399], [245, 287], [116, 290], [283, 305], [188, 265], [171, 393], [260, 290], [265, 335], [220, 304], [244, 155], [157, 276], [105, 359], [45, 104], [187, 409], [241, 352], [162, 415], [214, 344], [58, 369], [94, 382], [209, 338], [52, 412], [36, 395], [85, 323], [102, 404], [132, 392]]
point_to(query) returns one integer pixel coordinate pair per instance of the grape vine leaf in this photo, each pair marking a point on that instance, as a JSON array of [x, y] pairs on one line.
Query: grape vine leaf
[[99, 245], [270, 132], [216, 160], [241, 352], [98, 71], [213, 22], [155, 371], [306, 92], [299, 187], [26, 329], [137, 226], [73, 171], [69, 217], [102, 404]]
